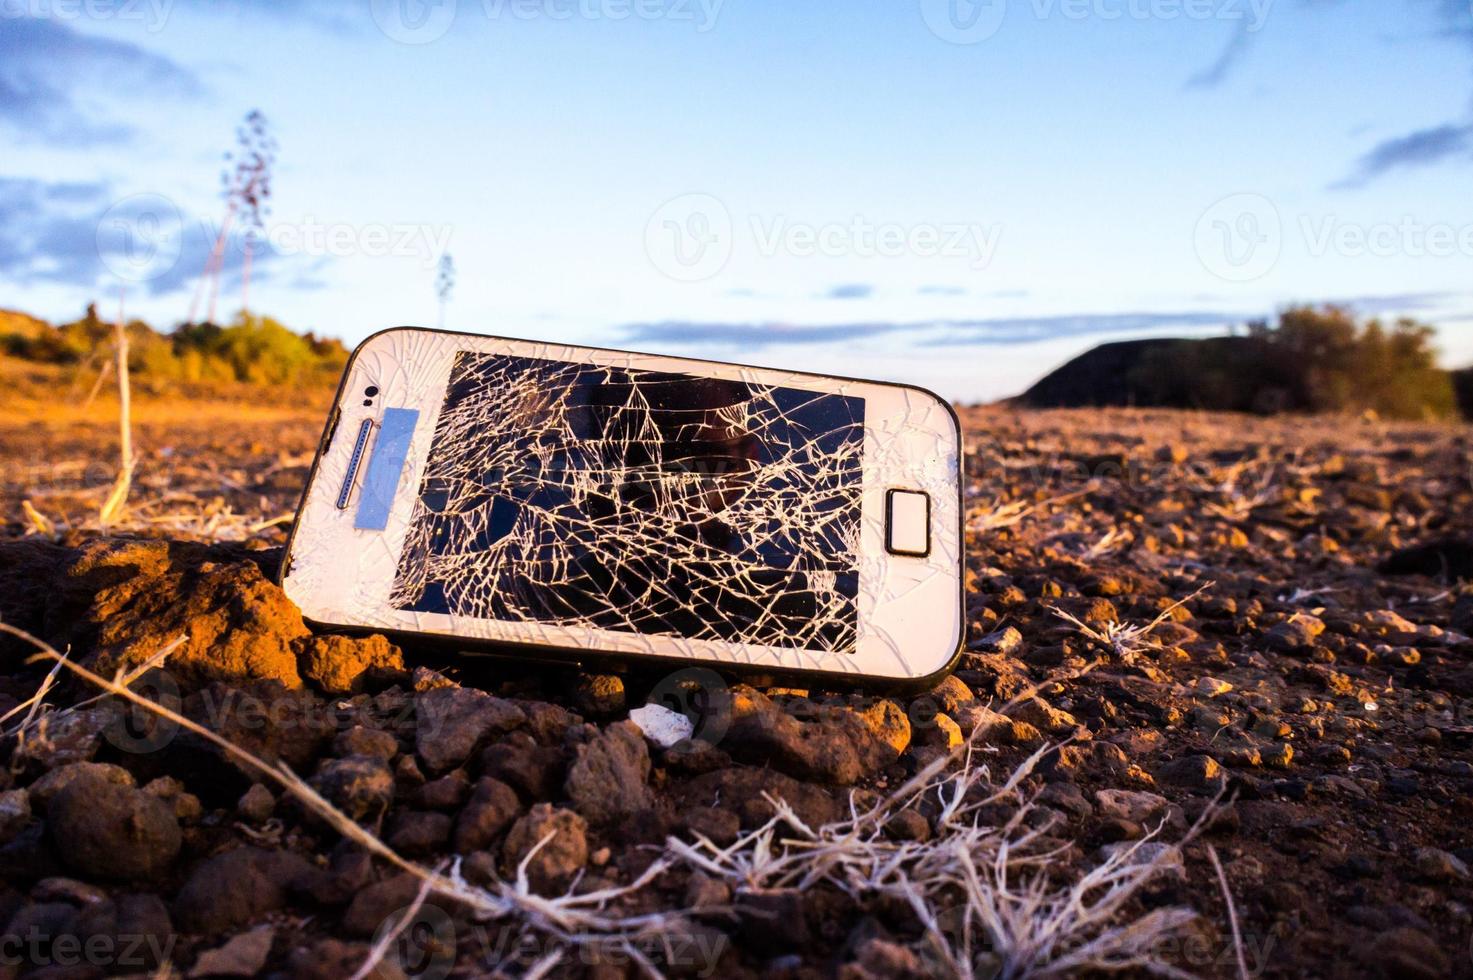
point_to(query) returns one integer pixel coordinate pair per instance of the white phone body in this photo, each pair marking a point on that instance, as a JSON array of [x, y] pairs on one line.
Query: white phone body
[[886, 604]]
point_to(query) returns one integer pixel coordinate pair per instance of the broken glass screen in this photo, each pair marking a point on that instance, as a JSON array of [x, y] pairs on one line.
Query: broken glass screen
[[639, 501]]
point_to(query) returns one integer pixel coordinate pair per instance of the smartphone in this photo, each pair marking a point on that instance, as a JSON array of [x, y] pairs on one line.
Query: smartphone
[[584, 504]]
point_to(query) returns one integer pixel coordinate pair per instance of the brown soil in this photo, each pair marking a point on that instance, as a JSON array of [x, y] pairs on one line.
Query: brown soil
[[1318, 674]]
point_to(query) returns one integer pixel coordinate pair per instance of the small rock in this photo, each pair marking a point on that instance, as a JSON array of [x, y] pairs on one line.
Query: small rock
[[608, 778], [1133, 805], [1211, 687], [1438, 865], [491, 809], [452, 721], [1279, 755], [365, 741], [554, 862], [939, 730], [888, 721], [15, 813], [1296, 633], [43, 789], [339, 664], [68, 890], [243, 956], [445, 793], [359, 785], [718, 826], [599, 695], [417, 832], [951, 693], [101, 828], [1005, 641], [662, 725], [1199, 772], [186, 805], [695, 756], [231, 889], [908, 825], [373, 905], [1042, 715], [828, 745], [533, 770], [1067, 797], [704, 892]]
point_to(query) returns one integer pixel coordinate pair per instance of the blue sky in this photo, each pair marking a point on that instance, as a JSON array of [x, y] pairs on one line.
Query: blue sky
[[951, 193]]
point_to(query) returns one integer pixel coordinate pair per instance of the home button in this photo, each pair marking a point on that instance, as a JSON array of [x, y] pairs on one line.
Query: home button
[[908, 523]]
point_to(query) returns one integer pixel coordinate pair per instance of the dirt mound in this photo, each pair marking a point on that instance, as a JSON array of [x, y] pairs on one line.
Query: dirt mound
[[122, 601]]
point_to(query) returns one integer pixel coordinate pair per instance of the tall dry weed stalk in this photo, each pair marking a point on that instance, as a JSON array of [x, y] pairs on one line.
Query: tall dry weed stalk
[[117, 500]]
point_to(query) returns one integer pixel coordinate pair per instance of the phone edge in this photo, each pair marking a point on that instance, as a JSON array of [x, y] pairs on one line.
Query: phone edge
[[899, 684]]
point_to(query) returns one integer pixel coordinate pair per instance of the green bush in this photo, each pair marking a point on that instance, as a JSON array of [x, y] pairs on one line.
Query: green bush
[[253, 349], [1311, 360]]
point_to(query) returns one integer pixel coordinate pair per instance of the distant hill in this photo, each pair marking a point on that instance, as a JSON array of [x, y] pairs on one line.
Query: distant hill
[[1312, 360], [1112, 375], [13, 323]]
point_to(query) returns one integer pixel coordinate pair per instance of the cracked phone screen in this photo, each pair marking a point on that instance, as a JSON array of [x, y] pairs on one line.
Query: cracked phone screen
[[639, 501]]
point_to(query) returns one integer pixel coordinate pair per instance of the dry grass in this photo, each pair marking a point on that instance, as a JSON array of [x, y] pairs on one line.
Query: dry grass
[[994, 897], [1125, 640]]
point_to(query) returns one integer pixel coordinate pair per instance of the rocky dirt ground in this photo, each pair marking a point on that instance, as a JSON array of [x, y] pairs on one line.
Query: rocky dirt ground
[[1169, 609]]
